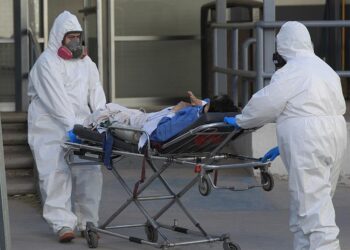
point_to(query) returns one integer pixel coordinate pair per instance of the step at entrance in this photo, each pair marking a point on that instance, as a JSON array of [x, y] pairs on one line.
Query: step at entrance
[[19, 163]]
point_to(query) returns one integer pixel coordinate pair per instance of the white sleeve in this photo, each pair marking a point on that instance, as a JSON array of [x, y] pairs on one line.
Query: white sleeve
[[97, 98], [49, 85], [268, 103]]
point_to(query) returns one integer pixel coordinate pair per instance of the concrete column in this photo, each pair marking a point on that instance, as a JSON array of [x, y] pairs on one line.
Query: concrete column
[[5, 240], [220, 49]]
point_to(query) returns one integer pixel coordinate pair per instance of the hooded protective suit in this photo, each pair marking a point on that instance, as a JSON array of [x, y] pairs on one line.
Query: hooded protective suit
[[305, 100], [62, 93]]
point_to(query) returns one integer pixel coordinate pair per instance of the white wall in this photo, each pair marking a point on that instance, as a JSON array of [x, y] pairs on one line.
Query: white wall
[[257, 143]]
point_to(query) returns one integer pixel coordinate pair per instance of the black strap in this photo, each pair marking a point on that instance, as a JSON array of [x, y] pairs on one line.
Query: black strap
[[107, 149], [143, 174]]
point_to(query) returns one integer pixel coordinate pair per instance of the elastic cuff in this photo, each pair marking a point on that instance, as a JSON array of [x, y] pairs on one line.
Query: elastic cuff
[[205, 101]]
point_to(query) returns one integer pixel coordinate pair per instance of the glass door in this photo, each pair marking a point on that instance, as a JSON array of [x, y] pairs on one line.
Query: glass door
[[155, 51]]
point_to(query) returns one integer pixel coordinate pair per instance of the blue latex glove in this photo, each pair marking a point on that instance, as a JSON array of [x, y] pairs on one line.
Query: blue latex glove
[[72, 137], [271, 155], [231, 121]]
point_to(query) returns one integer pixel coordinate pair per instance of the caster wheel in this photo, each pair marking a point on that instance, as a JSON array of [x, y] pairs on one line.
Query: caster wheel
[[151, 232], [267, 181], [92, 239], [231, 246], [204, 186]]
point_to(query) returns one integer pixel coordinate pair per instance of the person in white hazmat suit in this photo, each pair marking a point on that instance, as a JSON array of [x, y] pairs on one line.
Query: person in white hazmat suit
[[64, 89], [305, 100]]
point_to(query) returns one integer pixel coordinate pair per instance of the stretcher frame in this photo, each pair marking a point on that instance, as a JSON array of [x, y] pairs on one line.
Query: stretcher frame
[[205, 163]]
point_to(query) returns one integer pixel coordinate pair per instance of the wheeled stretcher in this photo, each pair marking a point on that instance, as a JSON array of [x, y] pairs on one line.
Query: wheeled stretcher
[[199, 146]]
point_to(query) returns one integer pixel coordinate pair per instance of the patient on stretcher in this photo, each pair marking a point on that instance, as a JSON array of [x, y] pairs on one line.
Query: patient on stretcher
[[161, 125]]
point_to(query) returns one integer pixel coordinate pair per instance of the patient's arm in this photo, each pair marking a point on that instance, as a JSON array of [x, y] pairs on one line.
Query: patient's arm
[[180, 106], [194, 102]]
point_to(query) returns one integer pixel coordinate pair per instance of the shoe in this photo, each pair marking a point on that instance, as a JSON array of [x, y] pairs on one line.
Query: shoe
[[65, 234], [83, 234]]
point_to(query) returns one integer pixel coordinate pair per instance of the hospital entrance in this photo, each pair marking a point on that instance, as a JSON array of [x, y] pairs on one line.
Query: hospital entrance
[[148, 55]]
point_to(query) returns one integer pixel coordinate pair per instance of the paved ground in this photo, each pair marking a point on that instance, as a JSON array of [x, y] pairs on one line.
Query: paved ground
[[255, 219]]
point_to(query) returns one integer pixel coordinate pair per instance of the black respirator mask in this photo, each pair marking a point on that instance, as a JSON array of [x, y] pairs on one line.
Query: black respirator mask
[[278, 60], [76, 48]]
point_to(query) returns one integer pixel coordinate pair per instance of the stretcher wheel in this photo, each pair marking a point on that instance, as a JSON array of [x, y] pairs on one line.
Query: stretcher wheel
[[91, 238], [151, 232], [267, 181], [231, 246], [204, 186]]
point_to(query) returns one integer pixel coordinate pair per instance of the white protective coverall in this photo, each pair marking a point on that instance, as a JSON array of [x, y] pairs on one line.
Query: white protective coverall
[[62, 93], [305, 100]]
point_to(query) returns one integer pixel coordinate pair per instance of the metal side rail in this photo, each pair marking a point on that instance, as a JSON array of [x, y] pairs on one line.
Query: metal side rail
[[209, 172]]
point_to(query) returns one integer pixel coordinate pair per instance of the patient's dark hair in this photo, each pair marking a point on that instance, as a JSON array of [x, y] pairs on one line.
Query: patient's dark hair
[[222, 103]]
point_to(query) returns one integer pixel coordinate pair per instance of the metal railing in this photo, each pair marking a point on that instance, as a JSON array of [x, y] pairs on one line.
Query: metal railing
[[34, 48], [260, 74]]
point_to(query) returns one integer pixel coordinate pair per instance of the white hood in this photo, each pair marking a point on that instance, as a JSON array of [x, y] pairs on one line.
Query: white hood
[[293, 39], [65, 22]]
